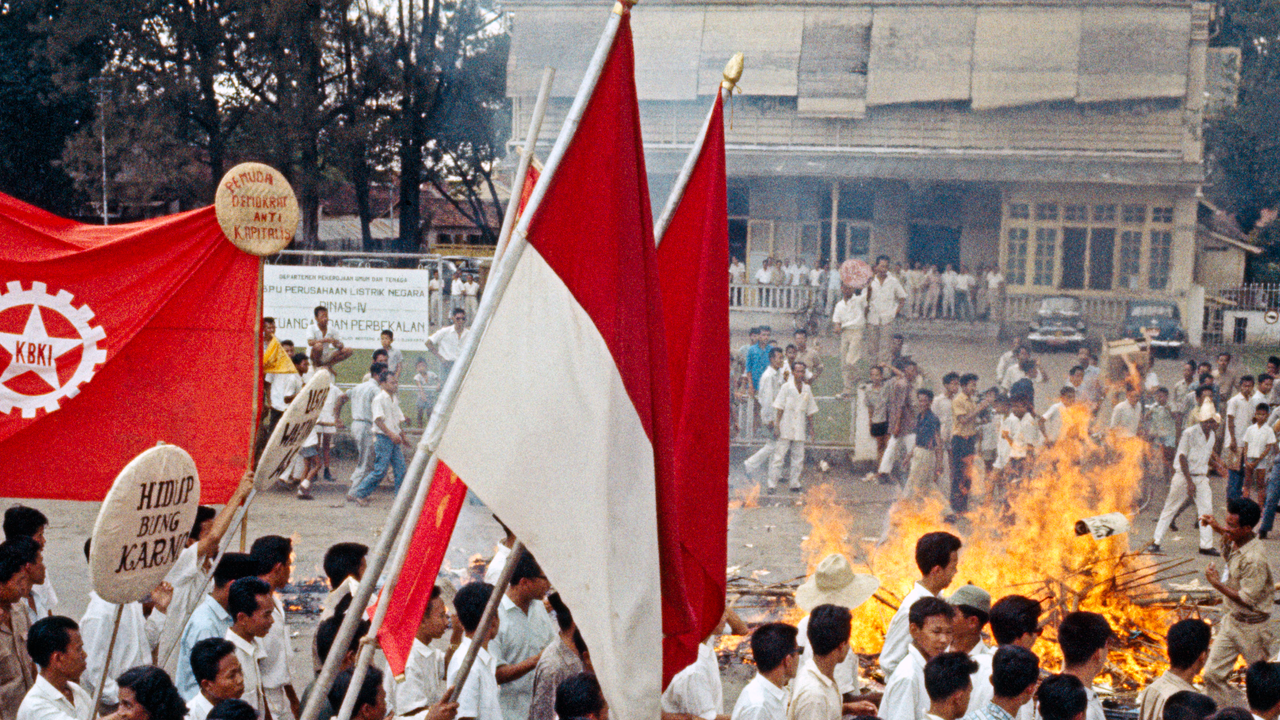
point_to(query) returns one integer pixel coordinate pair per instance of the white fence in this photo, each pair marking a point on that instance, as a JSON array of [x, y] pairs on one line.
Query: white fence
[[780, 298]]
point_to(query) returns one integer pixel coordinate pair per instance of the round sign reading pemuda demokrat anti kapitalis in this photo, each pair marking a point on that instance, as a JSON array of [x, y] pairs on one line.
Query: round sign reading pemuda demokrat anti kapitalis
[[144, 523]]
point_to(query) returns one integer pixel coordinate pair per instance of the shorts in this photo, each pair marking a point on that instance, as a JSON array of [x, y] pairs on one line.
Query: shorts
[[310, 451], [880, 429]]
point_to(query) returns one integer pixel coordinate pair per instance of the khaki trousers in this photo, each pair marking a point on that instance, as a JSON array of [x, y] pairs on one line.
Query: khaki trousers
[[850, 354], [1233, 639]]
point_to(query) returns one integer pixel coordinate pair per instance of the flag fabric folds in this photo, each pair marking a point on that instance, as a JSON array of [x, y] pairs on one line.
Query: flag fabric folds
[[427, 547], [116, 338], [693, 269], [276, 360], [562, 424]]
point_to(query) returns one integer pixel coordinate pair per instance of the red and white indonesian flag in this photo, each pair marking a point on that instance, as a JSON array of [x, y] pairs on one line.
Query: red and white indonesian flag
[[562, 424]]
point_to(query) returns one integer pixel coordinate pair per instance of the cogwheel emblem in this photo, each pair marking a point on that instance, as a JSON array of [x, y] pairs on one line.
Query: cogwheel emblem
[[41, 366]]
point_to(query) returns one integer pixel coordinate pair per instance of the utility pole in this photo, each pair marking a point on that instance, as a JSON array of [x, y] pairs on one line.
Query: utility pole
[[100, 86]]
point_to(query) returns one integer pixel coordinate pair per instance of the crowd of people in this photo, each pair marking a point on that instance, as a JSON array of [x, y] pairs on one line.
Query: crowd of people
[[947, 291]]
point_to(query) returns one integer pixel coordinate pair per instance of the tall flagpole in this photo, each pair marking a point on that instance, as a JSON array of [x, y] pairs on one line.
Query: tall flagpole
[[424, 482], [732, 72], [503, 269]]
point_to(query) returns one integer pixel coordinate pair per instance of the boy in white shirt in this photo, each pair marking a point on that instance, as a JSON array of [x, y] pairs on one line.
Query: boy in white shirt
[[795, 408], [930, 625], [389, 440], [327, 426], [214, 664], [250, 605], [766, 392], [427, 384], [1051, 421], [1022, 431], [478, 699], [1260, 448], [423, 682], [327, 349]]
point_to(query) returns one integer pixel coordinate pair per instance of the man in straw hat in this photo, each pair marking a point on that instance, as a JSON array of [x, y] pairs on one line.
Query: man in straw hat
[[1191, 477], [813, 694], [835, 583]]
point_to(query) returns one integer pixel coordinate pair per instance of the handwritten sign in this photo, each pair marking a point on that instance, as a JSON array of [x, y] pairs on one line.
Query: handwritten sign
[[256, 208], [292, 430], [144, 523]]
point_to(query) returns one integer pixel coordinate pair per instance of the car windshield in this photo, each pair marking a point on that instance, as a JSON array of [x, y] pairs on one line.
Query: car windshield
[[1165, 311], [1059, 305]]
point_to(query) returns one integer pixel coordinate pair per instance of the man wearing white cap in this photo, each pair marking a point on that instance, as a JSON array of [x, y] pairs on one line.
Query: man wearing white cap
[[835, 583], [1191, 478]]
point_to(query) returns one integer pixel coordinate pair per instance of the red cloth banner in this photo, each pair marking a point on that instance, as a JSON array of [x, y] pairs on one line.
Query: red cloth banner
[[422, 564], [693, 272], [115, 338]]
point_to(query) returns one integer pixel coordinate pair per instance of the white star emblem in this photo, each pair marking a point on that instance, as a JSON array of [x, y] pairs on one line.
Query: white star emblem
[[35, 351]]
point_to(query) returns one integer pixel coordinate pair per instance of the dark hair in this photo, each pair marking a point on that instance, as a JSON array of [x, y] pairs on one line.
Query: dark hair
[[28, 550], [950, 376], [927, 607], [1262, 377], [1075, 369], [47, 636], [204, 514], [1262, 685], [299, 357], [1245, 510], [771, 644], [1273, 360], [579, 696], [318, 309], [970, 611], [368, 694], [384, 376], [564, 618], [527, 568], [1263, 407], [23, 521], [1188, 705], [456, 311], [882, 257], [205, 656], [800, 331], [967, 378], [1081, 634], [775, 350], [269, 551], [327, 632], [232, 710], [1013, 670], [243, 598], [829, 628], [389, 334], [11, 562], [928, 395], [469, 603], [1232, 713], [266, 320], [342, 561], [155, 692], [1186, 642], [1066, 390], [232, 567], [1061, 697], [1246, 379], [934, 550], [1014, 616], [948, 674], [377, 368]]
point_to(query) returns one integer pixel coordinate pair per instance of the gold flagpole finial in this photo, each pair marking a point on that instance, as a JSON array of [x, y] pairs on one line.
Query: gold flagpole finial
[[732, 72]]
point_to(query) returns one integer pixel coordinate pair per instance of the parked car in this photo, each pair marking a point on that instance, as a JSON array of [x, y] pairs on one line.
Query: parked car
[[1058, 323], [1158, 319]]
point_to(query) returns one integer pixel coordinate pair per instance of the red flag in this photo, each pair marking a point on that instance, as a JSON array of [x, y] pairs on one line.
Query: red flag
[[693, 269], [530, 182], [578, 460], [418, 576], [114, 338]]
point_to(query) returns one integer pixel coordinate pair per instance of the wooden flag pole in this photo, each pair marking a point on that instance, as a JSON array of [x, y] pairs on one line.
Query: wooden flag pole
[[257, 395], [486, 620], [410, 524], [106, 665]]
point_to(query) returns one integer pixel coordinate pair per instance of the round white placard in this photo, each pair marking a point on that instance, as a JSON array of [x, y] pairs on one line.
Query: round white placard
[[292, 430], [256, 208]]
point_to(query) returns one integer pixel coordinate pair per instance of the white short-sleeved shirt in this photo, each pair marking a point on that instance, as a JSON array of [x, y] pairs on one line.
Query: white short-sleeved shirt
[[697, 689], [479, 695], [455, 288], [448, 342], [277, 651], [198, 707], [315, 333], [520, 636], [845, 674], [760, 700], [764, 276], [905, 697], [285, 386], [132, 645], [1025, 432], [44, 702], [1126, 417], [251, 656], [1257, 438], [387, 409], [1196, 448], [897, 637], [395, 358], [423, 682], [851, 313], [1053, 420], [886, 298], [471, 289], [770, 380], [796, 406], [327, 415]]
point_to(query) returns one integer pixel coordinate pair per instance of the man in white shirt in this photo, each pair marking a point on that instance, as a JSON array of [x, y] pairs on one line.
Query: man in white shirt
[[274, 556], [884, 301], [327, 349], [1191, 478], [217, 669], [964, 294], [1126, 416], [389, 441], [457, 293], [1083, 638], [835, 583], [525, 631], [133, 643], [361, 397], [766, 392], [850, 320], [210, 618], [938, 558], [1239, 414], [795, 407], [446, 343], [23, 521], [1259, 451], [905, 695], [948, 683], [834, 283], [478, 699], [949, 292], [814, 695], [1051, 421], [471, 295], [423, 682], [773, 648], [55, 646], [697, 690], [737, 271], [252, 609], [973, 608]]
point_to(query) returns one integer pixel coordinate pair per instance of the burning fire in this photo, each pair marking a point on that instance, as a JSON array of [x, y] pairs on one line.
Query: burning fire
[[1027, 548], [745, 498]]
